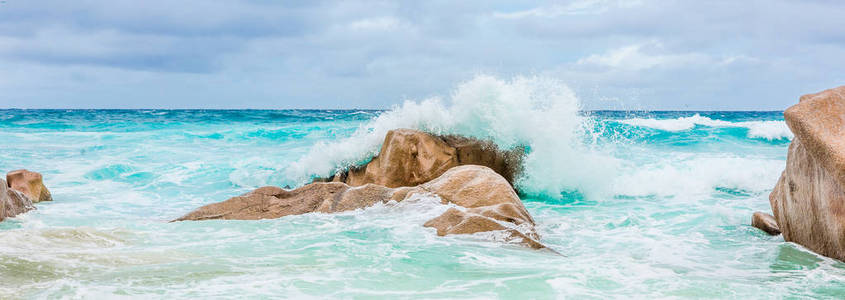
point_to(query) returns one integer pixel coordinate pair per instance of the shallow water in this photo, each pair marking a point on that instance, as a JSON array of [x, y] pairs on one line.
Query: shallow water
[[665, 212]]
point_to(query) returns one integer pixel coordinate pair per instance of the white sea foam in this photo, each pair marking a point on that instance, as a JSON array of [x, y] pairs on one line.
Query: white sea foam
[[685, 174], [538, 112], [770, 130]]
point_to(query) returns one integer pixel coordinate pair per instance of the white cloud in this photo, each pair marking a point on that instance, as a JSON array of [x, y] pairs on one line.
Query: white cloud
[[359, 53], [634, 58], [740, 59], [580, 7], [377, 24]]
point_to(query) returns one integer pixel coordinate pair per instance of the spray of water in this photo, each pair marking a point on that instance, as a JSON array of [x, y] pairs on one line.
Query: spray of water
[[538, 112]]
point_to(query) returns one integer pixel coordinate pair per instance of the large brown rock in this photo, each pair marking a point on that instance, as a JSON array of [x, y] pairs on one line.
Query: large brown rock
[[808, 200], [486, 200], [30, 184], [410, 157], [12, 203]]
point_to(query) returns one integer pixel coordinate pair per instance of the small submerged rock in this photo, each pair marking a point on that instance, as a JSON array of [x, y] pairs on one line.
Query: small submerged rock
[[765, 222], [19, 191], [30, 184], [12, 202]]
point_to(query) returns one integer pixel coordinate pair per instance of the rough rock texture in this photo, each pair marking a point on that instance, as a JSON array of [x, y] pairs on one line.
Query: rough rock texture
[[490, 200], [410, 157], [407, 158], [484, 219], [271, 202], [12, 202], [808, 200], [475, 186], [30, 184], [488, 203], [765, 222]]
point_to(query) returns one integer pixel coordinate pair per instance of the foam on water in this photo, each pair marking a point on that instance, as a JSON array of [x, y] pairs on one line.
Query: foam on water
[[540, 113], [770, 130], [684, 174]]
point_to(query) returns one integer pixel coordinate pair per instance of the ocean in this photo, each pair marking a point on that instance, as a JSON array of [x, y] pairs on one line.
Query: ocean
[[642, 204]]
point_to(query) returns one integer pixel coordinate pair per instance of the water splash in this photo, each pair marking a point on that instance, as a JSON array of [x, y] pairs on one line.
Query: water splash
[[538, 112]]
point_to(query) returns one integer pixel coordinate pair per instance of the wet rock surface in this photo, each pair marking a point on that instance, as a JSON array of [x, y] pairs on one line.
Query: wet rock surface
[[485, 199]]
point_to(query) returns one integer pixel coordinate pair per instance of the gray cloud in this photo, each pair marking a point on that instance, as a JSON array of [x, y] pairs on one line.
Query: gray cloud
[[639, 54]]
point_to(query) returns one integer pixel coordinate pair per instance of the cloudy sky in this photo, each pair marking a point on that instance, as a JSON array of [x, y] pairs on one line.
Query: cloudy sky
[[643, 54]]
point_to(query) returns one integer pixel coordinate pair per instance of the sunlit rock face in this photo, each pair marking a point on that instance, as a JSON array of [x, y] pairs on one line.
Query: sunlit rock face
[[411, 157], [30, 184], [12, 202], [808, 200]]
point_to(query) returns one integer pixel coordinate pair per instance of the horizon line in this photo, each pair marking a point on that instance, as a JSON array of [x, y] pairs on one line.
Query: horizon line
[[380, 109]]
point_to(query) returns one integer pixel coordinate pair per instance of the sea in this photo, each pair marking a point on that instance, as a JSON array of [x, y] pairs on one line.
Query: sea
[[637, 204]]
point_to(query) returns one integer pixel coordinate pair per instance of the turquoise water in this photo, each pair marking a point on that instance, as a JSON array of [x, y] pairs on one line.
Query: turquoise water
[[640, 204]]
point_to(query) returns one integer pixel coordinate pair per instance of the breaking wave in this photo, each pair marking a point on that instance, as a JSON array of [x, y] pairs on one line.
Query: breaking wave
[[769, 130], [538, 112]]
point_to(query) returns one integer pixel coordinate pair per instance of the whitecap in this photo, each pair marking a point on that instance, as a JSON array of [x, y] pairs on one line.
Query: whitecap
[[682, 174], [770, 130]]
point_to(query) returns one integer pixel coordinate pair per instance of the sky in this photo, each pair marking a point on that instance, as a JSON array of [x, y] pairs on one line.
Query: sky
[[639, 54]]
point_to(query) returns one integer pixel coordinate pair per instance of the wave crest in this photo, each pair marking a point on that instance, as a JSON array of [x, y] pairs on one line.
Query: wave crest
[[538, 112], [770, 130]]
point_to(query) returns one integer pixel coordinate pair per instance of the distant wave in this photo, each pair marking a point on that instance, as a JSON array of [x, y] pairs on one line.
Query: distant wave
[[682, 174], [770, 130]]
